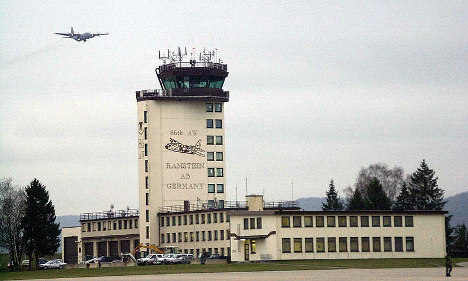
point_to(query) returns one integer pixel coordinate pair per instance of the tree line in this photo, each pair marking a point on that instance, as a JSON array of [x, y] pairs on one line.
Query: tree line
[[27, 222], [380, 188]]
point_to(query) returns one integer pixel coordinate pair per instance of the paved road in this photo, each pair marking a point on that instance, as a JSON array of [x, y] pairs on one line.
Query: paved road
[[400, 274]]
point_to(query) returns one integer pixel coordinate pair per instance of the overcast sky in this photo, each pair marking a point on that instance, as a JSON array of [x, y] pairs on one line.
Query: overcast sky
[[318, 90]]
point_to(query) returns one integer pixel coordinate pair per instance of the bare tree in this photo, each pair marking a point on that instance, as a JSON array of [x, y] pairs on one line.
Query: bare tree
[[12, 201], [391, 179]]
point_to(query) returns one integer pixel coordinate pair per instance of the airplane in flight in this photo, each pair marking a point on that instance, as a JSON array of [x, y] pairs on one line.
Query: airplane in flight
[[80, 36]]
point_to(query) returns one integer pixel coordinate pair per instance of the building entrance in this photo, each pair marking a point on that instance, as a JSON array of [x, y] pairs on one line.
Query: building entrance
[[246, 251]]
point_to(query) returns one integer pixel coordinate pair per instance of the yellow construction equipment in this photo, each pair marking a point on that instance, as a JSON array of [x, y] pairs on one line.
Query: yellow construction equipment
[[150, 246]]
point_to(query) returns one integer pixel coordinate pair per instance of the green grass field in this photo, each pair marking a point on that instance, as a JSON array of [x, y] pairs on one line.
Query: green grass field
[[234, 267]]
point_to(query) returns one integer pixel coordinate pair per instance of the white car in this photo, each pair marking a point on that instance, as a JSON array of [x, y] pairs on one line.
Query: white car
[[171, 259], [52, 264], [150, 259]]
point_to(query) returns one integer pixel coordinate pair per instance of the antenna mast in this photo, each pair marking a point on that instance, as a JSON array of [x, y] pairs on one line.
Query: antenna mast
[[292, 190]]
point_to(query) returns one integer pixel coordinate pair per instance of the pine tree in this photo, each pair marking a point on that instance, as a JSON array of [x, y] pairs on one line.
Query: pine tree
[[357, 202], [377, 199], [405, 201], [461, 238], [333, 200], [423, 186], [449, 237], [41, 233]]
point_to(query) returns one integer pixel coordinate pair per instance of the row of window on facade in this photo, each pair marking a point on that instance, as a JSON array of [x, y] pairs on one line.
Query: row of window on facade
[[110, 225], [331, 246], [218, 188], [210, 156], [193, 219], [211, 251], [212, 140], [214, 123], [344, 221], [195, 236], [217, 107], [219, 172]]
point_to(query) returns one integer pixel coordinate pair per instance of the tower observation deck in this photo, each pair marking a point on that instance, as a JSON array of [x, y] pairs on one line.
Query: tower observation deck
[[189, 80]]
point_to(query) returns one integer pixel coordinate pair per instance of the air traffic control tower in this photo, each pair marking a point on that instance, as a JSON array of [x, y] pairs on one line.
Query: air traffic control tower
[[181, 159]]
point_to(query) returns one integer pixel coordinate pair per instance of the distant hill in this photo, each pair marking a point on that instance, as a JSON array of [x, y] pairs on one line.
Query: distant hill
[[457, 206], [311, 203]]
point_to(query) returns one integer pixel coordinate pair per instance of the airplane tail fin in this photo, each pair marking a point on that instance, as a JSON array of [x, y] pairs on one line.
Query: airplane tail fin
[[72, 32]]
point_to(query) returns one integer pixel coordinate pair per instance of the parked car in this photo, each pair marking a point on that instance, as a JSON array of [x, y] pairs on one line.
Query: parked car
[[171, 259], [52, 264], [149, 260], [25, 263], [185, 258], [217, 257], [41, 260], [103, 260]]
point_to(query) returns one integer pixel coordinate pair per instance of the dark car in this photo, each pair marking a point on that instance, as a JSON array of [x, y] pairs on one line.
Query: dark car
[[216, 257], [41, 261]]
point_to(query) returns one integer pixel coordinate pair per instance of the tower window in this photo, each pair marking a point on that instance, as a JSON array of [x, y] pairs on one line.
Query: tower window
[[211, 172], [209, 123], [146, 133], [145, 116], [219, 140], [219, 124], [220, 188], [146, 182], [147, 215], [211, 188], [209, 107], [146, 149], [218, 107], [219, 156], [147, 232], [209, 140], [219, 172], [210, 156], [146, 166], [147, 199]]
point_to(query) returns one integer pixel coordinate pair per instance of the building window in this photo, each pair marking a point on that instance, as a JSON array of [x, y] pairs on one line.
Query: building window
[[286, 245], [319, 221], [320, 245], [375, 221], [409, 221], [218, 107], [146, 166], [185, 219], [410, 244], [309, 245], [191, 219], [259, 223], [364, 221], [209, 235], [168, 221], [387, 244], [211, 188], [215, 235], [331, 221], [387, 221], [297, 221], [209, 123], [308, 221], [219, 172], [162, 238], [209, 107], [228, 218], [219, 156], [297, 245], [147, 199], [147, 215], [342, 221], [219, 124], [145, 116], [179, 220], [343, 244], [285, 221], [208, 216], [209, 140], [197, 236], [146, 133], [185, 237], [246, 223], [376, 244], [197, 219], [115, 226], [130, 224], [219, 140], [221, 217], [174, 239], [211, 172], [331, 244], [210, 156], [221, 235], [179, 236], [353, 221], [252, 223], [146, 149], [365, 244], [215, 217], [173, 221], [99, 226], [203, 219], [398, 244], [253, 246], [147, 232], [354, 244], [162, 221], [146, 182], [397, 221], [168, 238], [220, 188]]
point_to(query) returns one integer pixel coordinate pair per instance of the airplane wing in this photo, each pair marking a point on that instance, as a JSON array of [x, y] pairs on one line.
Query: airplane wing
[[64, 34], [99, 34]]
